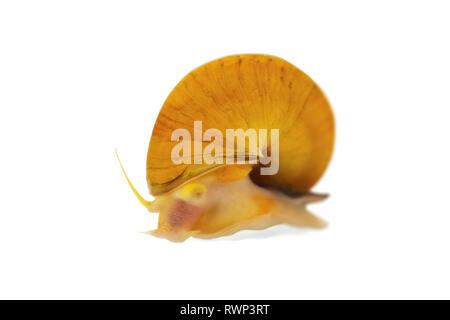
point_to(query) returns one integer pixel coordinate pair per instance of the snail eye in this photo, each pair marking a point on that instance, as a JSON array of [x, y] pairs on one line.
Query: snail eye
[[192, 191]]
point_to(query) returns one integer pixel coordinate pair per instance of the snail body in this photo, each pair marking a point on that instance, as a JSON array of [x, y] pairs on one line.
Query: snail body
[[209, 199]]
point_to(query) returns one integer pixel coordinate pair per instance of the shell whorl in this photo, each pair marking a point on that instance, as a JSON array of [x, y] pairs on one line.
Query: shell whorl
[[246, 91]]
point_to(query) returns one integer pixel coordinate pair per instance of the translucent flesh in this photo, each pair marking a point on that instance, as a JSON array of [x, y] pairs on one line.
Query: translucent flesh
[[228, 206]]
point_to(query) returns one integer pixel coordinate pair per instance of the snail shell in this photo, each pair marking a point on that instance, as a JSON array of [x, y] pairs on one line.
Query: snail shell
[[240, 91]]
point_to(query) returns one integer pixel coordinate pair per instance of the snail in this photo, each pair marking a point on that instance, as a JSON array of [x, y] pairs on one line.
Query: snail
[[219, 197]]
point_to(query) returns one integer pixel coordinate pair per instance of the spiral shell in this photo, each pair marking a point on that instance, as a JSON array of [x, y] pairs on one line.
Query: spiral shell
[[247, 91]]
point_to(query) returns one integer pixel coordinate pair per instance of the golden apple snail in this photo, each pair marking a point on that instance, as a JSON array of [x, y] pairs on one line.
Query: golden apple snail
[[253, 93]]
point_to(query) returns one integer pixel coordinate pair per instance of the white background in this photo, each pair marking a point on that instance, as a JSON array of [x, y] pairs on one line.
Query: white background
[[80, 78]]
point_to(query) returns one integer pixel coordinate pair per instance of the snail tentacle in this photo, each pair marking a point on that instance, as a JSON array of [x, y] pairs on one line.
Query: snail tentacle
[[150, 205]]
